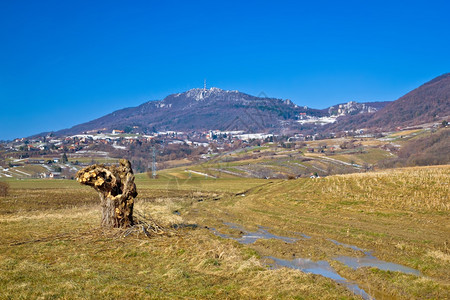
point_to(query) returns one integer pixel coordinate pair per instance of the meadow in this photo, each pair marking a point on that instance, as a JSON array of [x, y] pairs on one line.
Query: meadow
[[51, 245]]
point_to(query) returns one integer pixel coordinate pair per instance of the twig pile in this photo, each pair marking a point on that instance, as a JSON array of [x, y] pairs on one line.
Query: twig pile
[[146, 225]]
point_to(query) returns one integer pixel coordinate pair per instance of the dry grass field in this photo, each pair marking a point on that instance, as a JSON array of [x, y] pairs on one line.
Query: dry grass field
[[51, 245]]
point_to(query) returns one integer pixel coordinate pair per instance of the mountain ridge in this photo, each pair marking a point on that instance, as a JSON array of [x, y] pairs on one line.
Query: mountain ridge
[[217, 109], [213, 108]]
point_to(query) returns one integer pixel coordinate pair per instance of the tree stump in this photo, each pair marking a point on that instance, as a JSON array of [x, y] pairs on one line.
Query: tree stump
[[116, 188]]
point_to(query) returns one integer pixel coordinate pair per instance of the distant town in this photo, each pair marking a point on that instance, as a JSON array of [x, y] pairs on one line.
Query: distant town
[[55, 157]]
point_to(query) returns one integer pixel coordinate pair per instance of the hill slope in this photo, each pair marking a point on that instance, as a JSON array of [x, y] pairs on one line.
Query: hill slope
[[429, 149], [427, 103]]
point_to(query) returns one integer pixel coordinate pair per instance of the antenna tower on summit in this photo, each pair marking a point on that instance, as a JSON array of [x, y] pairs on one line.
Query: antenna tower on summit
[[154, 163], [204, 84]]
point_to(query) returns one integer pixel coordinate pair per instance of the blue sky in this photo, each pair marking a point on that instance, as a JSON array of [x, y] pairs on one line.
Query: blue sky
[[67, 62]]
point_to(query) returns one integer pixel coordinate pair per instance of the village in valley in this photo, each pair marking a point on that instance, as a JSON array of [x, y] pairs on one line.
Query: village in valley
[[214, 152]]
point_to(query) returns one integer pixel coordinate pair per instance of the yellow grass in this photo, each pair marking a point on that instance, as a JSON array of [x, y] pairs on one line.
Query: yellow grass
[[405, 132], [51, 245]]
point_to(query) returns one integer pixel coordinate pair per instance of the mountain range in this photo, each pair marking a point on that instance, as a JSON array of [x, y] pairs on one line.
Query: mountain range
[[217, 109]]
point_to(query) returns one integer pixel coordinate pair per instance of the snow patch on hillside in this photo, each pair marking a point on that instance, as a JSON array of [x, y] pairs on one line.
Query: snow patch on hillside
[[317, 120]]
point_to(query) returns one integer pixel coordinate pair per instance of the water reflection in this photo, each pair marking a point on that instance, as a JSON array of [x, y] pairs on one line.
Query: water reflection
[[371, 261], [303, 264], [320, 267], [249, 237], [347, 246]]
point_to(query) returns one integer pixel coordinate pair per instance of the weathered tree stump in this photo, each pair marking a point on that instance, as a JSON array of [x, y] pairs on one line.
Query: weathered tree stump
[[116, 188]]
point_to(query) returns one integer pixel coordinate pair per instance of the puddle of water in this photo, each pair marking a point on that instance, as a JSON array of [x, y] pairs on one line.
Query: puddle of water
[[348, 246], [302, 235], [222, 235], [303, 264], [306, 265], [372, 261], [233, 226], [320, 267], [251, 237]]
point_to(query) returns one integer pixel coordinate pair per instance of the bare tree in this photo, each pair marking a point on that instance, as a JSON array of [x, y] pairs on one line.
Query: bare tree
[[116, 188]]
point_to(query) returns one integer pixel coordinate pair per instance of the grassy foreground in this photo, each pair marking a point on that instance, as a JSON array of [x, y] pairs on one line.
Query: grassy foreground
[[51, 245]]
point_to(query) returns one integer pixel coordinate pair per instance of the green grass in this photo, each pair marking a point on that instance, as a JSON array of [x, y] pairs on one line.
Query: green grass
[[198, 183], [100, 159], [370, 156], [42, 183]]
